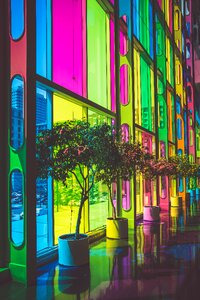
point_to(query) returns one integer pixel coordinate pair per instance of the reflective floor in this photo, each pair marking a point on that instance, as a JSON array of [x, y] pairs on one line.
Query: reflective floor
[[161, 261]]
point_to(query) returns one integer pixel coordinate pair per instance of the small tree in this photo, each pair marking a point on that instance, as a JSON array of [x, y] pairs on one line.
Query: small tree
[[71, 147], [123, 159], [185, 168]]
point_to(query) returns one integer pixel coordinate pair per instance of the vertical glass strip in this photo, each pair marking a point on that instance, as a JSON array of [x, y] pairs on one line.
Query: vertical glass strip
[[17, 18]]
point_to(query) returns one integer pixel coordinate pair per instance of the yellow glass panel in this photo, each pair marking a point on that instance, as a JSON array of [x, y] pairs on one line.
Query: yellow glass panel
[[66, 200], [137, 88], [65, 110]]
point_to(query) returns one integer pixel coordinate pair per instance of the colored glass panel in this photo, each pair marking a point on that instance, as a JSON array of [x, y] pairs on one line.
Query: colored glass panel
[[146, 95], [126, 203], [17, 18], [112, 65], [66, 200], [136, 23], [43, 38], [17, 207], [98, 195], [137, 88], [17, 112], [124, 84], [43, 186], [69, 44], [98, 37], [123, 37]]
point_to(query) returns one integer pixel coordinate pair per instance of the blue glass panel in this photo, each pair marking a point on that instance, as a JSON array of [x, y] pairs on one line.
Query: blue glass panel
[[17, 207], [180, 184], [179, 129], [179, 151], [43, 38], [17, 18], [125, 10], [136, 26], [43, 186], [17, 112], [178, 105]]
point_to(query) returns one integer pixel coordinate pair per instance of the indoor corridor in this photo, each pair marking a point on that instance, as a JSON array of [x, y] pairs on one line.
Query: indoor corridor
[[161, 261]]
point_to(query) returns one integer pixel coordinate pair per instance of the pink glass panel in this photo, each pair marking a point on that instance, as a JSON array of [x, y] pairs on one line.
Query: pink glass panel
[[112, 65], [123, 39], [69, 44], [124, 84]]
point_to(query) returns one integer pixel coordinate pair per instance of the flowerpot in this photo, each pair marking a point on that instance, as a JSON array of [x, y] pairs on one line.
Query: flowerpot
[[73, 252], [117, 228], [151, 213], [176, 201]]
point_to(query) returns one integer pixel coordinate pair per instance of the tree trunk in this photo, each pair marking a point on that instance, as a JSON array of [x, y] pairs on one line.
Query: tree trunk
[[83, 199], [114, 215]]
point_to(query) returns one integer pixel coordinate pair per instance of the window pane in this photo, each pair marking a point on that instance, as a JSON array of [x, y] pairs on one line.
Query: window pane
[[17, 112], [98, 196], [17, 207], [43, 186], [17, 18]]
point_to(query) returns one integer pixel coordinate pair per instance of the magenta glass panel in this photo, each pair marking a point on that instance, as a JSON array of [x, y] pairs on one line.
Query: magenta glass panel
[[69, 23], [112, 65], [123, 38], [112, 1], [124, 84]]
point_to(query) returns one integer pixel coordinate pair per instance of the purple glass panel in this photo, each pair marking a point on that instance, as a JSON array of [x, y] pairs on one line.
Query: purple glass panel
[[112, 65], [68, 44], [124, 84]]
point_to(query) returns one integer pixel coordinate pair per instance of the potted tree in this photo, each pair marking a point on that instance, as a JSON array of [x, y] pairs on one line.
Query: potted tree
[[185, 169], [123, 159], [153, 168], [78, 149]]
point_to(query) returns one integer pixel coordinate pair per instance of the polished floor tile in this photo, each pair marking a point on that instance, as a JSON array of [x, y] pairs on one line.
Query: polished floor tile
[[160, 261]]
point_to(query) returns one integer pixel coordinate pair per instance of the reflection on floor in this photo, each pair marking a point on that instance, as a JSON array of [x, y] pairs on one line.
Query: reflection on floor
[[160, 261]]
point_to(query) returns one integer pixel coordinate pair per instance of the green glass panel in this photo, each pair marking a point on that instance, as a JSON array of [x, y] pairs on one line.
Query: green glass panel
[[98, 54], [146, 95], [98, 196]]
